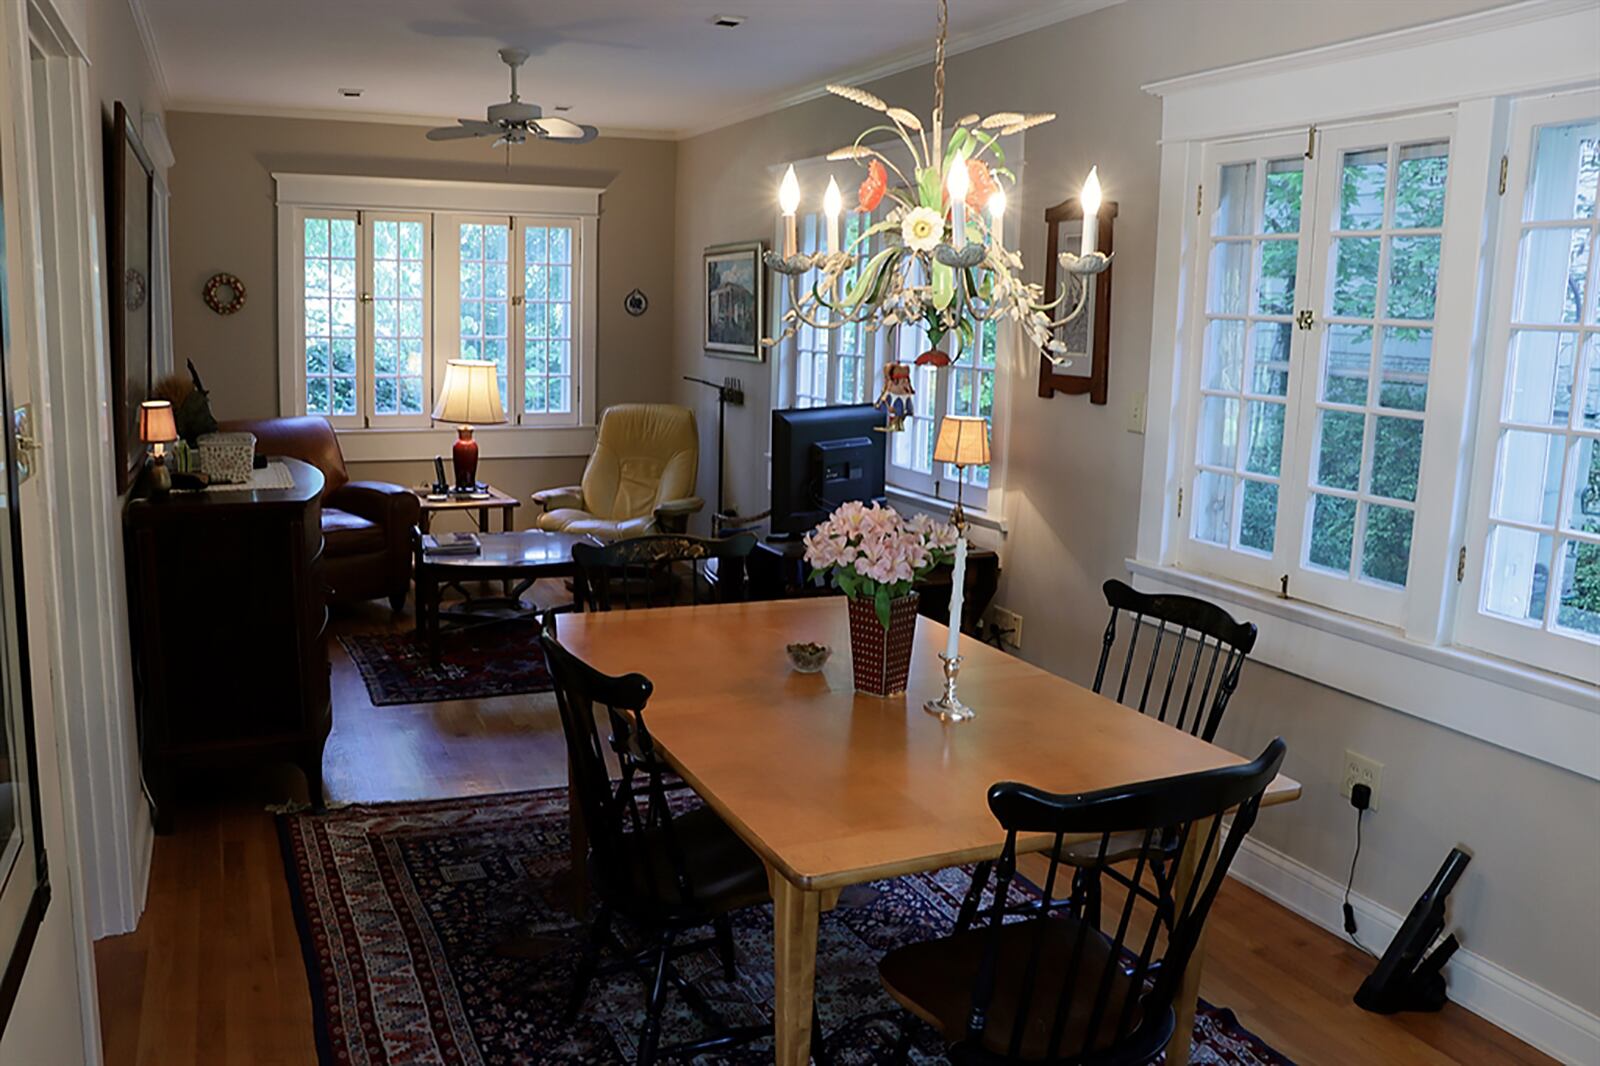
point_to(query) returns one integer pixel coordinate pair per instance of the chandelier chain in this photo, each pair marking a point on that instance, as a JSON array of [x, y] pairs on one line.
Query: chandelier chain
[[938, 77]]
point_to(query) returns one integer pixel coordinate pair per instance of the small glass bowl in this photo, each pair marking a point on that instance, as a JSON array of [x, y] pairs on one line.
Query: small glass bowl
[[808, 658]]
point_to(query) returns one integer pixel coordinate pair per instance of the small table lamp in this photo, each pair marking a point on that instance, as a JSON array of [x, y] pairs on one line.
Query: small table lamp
[[963, 441], [471, 395], [157, 428]]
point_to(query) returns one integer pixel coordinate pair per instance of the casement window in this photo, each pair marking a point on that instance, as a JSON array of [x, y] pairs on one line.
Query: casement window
[[1316, 299], [830, 366], [384, 281], [1532, 550], [966, 387]]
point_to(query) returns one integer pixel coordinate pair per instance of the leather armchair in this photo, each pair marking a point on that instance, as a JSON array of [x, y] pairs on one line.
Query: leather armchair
[[640, 479], [367, 526]]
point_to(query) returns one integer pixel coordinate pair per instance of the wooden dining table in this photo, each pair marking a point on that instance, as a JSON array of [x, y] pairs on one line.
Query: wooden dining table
[[834, 789]]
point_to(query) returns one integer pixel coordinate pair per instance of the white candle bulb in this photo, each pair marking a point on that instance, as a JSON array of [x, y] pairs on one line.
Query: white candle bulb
[[832, 204], [958, 183], [997, 218], [789, 201], [958, 589], [1090, 199]]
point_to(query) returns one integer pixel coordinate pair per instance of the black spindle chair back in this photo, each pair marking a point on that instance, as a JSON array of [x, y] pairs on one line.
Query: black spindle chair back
[[666, 570], [1183, 668], [636, 863], [1069, 993]]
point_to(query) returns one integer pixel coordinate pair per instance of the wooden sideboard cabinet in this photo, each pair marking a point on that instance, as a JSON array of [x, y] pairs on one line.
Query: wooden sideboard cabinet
[[229, 625]]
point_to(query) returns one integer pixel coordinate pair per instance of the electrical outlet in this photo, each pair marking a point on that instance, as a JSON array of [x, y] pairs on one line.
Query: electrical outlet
[[1009, 623], [1360, 770], [1136, 413]]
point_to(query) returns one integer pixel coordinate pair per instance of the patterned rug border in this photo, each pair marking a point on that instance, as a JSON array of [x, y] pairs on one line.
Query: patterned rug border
[[326, 1055]]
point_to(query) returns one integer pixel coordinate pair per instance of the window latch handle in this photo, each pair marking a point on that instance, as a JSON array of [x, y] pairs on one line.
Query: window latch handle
[[1305, 319]]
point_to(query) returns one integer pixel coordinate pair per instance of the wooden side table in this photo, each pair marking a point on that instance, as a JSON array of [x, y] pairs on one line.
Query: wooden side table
[[496, 500]]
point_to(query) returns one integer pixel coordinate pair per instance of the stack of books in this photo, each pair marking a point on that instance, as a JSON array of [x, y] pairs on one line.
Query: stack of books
[[451, 544]]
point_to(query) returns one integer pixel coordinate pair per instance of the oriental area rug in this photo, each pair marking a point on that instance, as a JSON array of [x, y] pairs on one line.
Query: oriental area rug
[[436, 933], [475, 663]]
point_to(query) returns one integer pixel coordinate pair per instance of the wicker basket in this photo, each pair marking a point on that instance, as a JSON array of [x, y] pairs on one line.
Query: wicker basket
[[228, 457]]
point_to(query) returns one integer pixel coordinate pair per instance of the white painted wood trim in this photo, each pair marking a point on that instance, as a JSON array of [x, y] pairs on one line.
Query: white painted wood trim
[[356, 193], [1550, 1023], [494, 442], [1557, 719], [1515, 49]]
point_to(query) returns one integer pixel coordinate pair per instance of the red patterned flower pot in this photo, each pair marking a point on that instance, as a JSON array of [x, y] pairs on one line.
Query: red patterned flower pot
[[881, 657]]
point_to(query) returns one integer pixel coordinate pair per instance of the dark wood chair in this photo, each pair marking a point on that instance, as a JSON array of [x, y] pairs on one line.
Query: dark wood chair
[[665, 570], [665, 874], [1183, 671], [1052, 988]]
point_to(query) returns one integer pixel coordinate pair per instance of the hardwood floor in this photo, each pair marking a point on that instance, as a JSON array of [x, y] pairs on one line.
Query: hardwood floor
[[214, 975]]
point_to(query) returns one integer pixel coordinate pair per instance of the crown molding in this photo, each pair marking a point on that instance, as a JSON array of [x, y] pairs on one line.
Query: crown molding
[[386, 118], [147, 38], [1458, 26], [899, 63]]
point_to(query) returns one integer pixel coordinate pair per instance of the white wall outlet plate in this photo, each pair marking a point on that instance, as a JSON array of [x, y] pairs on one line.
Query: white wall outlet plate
[[1136, 413], [1360, 770], [1009, 623]]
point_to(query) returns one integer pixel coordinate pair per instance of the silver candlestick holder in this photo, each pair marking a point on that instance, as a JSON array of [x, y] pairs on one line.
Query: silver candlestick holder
[[948, 707]]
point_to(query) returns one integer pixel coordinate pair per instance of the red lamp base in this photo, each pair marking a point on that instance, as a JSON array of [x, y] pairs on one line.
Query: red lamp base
[[465, 457]]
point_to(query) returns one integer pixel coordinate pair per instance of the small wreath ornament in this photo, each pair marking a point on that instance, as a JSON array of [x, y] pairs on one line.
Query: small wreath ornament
[[214, 301]]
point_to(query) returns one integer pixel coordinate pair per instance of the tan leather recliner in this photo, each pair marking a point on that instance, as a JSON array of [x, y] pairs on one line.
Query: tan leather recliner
[[640, 479]]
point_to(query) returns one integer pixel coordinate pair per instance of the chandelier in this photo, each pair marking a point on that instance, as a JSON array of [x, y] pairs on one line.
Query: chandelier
[[942, 263]]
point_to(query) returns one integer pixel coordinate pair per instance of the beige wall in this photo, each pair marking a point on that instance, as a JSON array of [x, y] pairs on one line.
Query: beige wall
[[1527, 901], [224, 219]]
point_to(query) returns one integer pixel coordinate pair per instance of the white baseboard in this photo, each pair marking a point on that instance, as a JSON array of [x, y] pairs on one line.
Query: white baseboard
[[1548, 1022]]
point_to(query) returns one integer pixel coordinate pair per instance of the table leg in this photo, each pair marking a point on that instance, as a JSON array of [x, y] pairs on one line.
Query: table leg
[[483, 520], [794, 954], [578, 834], [425, 520], [505, 520], [1189, 988]]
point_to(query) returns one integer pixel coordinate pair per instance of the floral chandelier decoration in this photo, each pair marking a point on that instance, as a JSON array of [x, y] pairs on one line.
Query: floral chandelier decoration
[[942, 263]]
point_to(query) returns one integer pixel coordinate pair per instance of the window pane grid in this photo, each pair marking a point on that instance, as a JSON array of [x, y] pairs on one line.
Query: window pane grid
[[398, 333], [485, 296], [547, 384], [329, 271], [1249, 305], [1544, 512]]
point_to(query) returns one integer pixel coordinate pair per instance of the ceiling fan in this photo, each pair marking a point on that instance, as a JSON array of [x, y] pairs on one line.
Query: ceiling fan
[[513, 121]]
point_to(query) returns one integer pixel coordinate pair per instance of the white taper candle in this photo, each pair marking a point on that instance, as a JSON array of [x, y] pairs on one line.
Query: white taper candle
[[958, 588]]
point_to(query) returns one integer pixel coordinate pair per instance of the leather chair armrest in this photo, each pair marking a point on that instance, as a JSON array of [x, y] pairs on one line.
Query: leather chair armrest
[[672, 516], [379, 502], [566, 496]]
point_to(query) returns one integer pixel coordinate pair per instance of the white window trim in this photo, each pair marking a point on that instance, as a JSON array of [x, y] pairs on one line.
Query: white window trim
[[1474, 63], [350, 193]]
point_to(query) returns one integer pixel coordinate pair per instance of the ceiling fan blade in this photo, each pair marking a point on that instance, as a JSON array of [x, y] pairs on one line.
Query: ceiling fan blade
[[455, 133], [560, 129]]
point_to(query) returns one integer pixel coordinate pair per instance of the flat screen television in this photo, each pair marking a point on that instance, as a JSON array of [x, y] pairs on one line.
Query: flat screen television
[[822, 457]]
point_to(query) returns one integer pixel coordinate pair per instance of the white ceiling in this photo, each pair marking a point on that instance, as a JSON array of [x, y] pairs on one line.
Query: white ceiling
[[654, 66]]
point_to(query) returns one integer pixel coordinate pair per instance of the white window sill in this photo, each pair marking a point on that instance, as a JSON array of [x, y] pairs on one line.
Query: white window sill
[[940, 508], [1541, 715], [494, 442]]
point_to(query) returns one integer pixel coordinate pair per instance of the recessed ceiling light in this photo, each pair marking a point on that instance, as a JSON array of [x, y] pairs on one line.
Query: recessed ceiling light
[[353, 94], [727, 21]]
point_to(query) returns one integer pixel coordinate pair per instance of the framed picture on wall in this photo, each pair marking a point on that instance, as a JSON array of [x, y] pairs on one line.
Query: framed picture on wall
[[130, 188], [1087, 337], [735, 300]]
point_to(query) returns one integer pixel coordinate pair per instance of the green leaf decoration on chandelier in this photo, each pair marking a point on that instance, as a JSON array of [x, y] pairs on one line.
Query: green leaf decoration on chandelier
[[944, 285], [930, 188]]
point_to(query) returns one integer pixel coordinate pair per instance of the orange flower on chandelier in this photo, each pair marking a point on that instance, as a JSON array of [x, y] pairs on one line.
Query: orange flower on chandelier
[[875, 185], [980, 185]]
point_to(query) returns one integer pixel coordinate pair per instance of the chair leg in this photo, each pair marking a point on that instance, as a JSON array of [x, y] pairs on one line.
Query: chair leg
[[588, 963], [1090, 912], [969, 904], [902, 1044], [651, 1038], [819, 1040], [725, 950]]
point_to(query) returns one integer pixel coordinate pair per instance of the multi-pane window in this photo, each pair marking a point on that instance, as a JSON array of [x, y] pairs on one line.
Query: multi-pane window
[[966, 387], [547, 319], [831, 364], [329, 299], [1536, 521], [376, 302], [1315, 336]]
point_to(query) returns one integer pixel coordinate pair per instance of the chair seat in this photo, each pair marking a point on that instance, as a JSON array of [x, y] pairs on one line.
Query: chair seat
[[724, 874], [344, 534], [934, 980]]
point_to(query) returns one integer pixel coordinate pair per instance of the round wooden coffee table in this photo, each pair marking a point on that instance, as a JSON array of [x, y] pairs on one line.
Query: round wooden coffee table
[[519, 559]]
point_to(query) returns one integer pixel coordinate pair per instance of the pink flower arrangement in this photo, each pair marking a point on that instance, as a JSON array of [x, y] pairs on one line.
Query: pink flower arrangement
[[873, 552]]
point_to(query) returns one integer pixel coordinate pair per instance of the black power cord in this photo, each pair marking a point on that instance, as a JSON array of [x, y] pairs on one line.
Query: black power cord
[[1360, 799]]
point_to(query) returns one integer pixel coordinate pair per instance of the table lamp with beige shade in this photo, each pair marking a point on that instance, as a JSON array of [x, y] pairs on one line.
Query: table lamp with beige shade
[[471, 396], [963, 442], [158, 428]]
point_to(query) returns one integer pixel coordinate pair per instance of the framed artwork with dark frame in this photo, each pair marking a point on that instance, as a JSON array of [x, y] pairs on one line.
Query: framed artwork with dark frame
[[1088, 337], [735, 301], [130, 188]]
